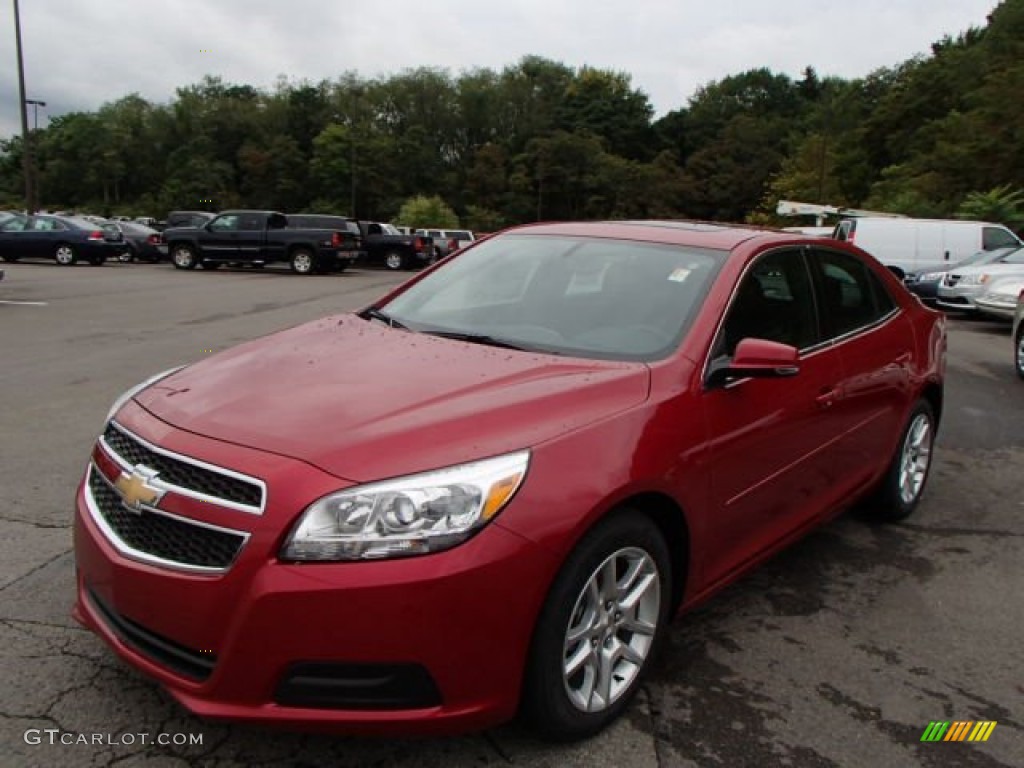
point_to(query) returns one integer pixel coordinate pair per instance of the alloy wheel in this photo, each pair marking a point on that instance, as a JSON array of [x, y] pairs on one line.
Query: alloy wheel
[[611, 629], [915, 458]]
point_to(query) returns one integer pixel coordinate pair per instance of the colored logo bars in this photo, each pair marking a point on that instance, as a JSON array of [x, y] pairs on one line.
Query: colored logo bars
[[960, 730]]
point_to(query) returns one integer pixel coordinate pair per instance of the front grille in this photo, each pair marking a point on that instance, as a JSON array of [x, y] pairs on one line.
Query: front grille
[[322, 685], [181, 473], [161, 537], [185, 661], [952, 280]]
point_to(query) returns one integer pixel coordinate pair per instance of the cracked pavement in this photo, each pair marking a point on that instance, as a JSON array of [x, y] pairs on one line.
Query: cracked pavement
[[838, 652]]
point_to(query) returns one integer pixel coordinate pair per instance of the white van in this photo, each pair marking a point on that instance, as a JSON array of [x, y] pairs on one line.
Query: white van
[[921, 245]]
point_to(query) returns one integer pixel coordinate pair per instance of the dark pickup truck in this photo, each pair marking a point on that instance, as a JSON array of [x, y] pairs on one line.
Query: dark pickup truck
[[384, 244], [260, 237]]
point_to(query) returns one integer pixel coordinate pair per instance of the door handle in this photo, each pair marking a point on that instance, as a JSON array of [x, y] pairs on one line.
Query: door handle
[[828, 397]]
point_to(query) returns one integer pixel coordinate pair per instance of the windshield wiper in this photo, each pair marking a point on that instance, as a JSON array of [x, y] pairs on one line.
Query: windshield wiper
[[375, 314], [478, 338]]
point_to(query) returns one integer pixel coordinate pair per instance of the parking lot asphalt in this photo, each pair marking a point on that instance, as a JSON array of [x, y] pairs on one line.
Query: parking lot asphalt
[[839, 652]]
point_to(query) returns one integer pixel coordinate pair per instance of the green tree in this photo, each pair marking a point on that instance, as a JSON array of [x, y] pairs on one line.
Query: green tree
[[1000, 204], [422, 212]]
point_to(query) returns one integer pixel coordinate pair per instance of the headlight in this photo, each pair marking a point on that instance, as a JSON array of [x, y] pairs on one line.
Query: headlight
[[974, 279], [126, 396], [412, 515]]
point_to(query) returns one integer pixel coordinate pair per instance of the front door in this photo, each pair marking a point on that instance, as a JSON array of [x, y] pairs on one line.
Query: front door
[[771, 455]]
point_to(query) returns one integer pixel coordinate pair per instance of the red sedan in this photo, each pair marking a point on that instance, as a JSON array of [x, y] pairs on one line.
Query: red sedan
[[489, 492]]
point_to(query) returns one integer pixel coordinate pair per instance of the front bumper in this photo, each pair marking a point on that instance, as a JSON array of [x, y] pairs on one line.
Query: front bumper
[[1004, 310], [958, 297], [431, 644]]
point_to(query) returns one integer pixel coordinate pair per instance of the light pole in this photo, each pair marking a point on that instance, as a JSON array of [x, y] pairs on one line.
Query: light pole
[[26, 139], [36, 104], [35, 111]]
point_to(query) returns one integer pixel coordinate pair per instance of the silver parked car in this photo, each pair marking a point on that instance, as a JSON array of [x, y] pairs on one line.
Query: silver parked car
[[961, 287], [999, 300]]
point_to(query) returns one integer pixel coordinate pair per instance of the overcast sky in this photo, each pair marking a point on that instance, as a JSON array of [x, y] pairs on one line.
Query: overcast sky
[[82, 53]]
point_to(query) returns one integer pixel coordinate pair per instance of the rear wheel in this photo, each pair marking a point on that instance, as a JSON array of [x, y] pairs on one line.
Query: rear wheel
[[599, 629], [899, 492], [395, 261], [303, 262], [65, 255], [183, 257]]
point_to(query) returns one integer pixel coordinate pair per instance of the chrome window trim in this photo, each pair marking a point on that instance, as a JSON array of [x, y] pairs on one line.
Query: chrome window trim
[[805, 352], [157, 482], [144, 557]]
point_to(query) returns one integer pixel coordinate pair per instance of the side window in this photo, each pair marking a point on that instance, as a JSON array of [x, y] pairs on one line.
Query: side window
[[997, 237], [250, 221], [851, 296], [227, 223], [45, 225], [774, 301], [15, 225]]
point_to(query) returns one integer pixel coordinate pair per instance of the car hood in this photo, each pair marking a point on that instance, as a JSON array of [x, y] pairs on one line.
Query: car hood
[[364, 401]]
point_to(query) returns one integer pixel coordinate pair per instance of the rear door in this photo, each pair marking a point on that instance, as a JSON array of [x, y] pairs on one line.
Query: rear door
[[875, 343], [251, 239], [772, 456]]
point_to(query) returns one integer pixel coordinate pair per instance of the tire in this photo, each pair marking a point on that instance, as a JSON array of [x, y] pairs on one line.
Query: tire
[[1018, 353], [303, 261], [183, 257], [900, 490], [395, 261], [210, 265], [65, 255], [562, 703]]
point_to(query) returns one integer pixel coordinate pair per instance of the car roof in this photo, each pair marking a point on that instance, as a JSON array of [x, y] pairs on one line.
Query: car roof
[[700, 234]]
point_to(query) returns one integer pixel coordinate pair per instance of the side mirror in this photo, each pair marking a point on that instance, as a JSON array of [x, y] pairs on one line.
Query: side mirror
[[756, 358]]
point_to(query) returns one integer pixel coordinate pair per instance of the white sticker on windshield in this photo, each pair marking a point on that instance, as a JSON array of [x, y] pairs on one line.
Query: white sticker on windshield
[[679, 275]]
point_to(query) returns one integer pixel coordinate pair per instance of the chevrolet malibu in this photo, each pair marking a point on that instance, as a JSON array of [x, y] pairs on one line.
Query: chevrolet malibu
[[489, 492]]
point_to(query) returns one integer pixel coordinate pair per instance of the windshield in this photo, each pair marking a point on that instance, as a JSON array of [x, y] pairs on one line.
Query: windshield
[[387, 229], [587, 297]]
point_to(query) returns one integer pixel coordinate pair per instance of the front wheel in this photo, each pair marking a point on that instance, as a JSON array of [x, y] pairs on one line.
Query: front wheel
[[395, 261], [599, 629], [900, 490], [303, 262], [64, 255], [183, 257]]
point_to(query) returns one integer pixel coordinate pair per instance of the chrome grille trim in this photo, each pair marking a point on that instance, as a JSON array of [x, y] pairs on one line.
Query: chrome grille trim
[[97, 516], [163, 484]]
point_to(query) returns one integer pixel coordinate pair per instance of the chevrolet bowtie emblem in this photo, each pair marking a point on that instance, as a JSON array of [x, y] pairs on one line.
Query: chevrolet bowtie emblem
[[135, 490]]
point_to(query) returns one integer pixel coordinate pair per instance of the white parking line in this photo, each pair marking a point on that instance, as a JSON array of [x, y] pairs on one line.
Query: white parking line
[[26, 303]]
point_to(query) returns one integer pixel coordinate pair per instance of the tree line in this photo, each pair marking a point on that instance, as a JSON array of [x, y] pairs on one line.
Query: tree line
[[539, 140]]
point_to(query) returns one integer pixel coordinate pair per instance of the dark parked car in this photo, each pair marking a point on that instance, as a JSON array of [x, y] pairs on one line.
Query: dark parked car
[[256, 238], [142, 243], [65, 239], [544, 448], [385, 244]]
